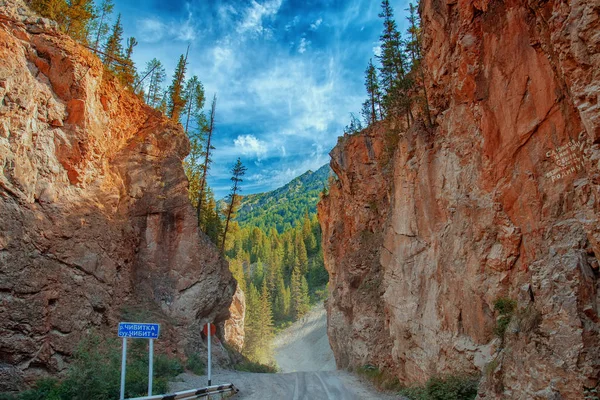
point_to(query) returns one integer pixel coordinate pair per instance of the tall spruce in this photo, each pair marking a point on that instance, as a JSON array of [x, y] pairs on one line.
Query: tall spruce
[[237, 172], [416, 52], [177, 100], [372, 106], [113, 49], [155, 72], [100, 26], [126, 69], [208, 148], [393, 74]]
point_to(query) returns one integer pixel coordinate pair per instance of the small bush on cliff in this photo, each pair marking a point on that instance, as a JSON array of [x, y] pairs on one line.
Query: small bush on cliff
[[505, 308], [450, 387]]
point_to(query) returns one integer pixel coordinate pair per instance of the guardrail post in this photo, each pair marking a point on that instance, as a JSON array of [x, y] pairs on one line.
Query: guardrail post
[[209, 356]]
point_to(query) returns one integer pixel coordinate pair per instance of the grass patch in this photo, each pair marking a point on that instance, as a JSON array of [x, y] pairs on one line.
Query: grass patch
[[380, 378], [250, 366], [95, 373], [449, 387]]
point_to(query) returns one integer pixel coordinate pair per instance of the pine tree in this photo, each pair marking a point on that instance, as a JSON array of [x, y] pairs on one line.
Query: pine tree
[[177, 100], [237, 172], [125, 69], [372, 106], [299, 293], [208, 148], [301, 257], [113, 50], [100, 27], [79, 14], [393, 75], [194, 95], [415, 50], [156, 77]]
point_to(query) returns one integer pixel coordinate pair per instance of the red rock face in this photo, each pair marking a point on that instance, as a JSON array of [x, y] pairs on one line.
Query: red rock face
[[96, 224], [499, 200]]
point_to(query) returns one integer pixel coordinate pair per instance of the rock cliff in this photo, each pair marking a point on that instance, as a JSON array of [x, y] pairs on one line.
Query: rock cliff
[[96, 224], [425, 230]]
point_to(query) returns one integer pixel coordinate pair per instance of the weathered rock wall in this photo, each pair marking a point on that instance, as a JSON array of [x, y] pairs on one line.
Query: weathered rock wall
[[96, 224], [499, 200]]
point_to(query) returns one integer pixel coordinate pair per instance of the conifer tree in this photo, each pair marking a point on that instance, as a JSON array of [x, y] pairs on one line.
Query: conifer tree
[[177, 100], [393, 75], [299, 293], [79, 14], [415, 50], [126, 69], [113, 50], [100, 26], [156, 77], [237, 172], [208, 148], [194, 95], [301, 257], [372, 106]]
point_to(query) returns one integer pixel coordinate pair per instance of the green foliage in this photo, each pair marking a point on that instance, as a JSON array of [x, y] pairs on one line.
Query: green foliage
[[113, 49], [95, 373], [380, 378], [177, 100], [450, 387], [196, 364], [250, 366], [74, 17], [505, 308], [285, 207]]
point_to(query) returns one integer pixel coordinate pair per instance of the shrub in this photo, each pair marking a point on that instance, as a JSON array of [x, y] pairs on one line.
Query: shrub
[[95, 373], [196, 364], [380, 378], [250, 366], [450, 387], [505, 308]]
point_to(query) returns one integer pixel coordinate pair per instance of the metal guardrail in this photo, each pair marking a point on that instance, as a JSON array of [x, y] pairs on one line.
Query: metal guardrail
[[193, 393]]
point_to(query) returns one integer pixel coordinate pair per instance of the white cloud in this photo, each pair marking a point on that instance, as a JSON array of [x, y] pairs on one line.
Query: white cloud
[[249, 145], [315, 25], [254, 15], [150, 30], [303, 45]]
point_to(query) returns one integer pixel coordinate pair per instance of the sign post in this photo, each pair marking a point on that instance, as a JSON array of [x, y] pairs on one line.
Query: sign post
[[209, 358], [138, 331], [209, 330]]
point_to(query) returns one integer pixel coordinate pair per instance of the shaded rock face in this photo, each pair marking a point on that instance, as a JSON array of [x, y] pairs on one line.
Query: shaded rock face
[[234, 326], [96, 224], [499, 200]]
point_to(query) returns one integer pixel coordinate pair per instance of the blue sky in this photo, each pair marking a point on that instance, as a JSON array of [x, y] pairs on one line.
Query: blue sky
[[287, 74]]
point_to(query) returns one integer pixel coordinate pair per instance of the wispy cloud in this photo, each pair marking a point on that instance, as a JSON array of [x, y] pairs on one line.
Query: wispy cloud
[[249, 145], [315, 25], [255, 15]]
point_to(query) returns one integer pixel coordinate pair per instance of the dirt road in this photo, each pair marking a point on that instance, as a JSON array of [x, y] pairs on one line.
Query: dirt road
[[320, 385], [304, 346], [307, 365]]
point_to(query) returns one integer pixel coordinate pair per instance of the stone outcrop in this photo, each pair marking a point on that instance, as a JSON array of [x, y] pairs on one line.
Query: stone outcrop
[[234, 326], [96, 224], [425, 230]]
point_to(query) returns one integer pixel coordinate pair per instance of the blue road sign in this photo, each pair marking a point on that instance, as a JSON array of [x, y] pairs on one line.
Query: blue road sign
[[138, 330]]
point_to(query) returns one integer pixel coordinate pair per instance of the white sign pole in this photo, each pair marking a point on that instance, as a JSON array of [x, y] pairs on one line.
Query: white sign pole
[[209, 356], [123, 366], [150, 365]]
